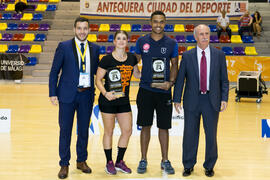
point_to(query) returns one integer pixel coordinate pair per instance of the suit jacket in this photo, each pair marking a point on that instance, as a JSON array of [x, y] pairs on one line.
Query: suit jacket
[[66, 61], [189, 71]]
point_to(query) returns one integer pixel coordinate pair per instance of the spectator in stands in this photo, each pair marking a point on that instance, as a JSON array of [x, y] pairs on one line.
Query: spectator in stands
[[257, 23], [20, 6], [223, 23], [245, 23], [115, 105], [76, 61]]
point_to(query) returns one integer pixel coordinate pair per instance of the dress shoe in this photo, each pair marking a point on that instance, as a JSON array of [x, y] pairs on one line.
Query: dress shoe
[[63, 173], [209, 172], [84, 167], [187, 171]]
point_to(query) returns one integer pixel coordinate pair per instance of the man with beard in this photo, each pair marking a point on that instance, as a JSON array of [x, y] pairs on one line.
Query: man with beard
[[156, 49], [77, 60], [203, 70]]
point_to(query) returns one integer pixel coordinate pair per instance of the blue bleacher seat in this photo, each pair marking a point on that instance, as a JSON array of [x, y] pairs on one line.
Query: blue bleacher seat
[[37, 17], [213, 28], [32, 61], [132, 49], [40, 37], [227, 50], [7, 16], [12, 49], [102, 50], [190, 39], [12, 26], [110, 38], [247, 39], [168, 28], [136, 28], [51, 7]]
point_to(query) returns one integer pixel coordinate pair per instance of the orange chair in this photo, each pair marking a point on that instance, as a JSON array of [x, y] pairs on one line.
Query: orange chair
[[33, 27], [224, 39], [94, 27], [102, 38], [134, 37], [181, 49], [171, 36], [127, 49], [17, 37], [189, 28]]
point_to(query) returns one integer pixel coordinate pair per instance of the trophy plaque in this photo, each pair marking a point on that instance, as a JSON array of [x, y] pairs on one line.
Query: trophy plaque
[[115, 83], [158, 69]]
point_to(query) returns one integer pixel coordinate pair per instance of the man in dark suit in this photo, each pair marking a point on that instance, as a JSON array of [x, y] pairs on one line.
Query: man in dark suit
[[204, 72], [77, 60]]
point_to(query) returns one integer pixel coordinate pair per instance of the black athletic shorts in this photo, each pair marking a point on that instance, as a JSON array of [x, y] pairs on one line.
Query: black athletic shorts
[[147, 102], [114, 109]]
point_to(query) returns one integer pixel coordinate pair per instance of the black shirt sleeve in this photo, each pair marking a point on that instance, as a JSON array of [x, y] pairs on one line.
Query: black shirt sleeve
[[105, 62]]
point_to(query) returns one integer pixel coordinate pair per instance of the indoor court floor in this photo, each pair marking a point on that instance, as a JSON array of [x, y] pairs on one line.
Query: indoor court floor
[[30, 150]]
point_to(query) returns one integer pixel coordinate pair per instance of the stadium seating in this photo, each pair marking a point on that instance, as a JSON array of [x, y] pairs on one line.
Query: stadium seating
[[238, 51], [181, 49], [134, 37], [189, 28], [179, 28], [29, 37], [214, 39], [23, 26], [190, 39], [104, 27], [51, 7], [146, 28], [33, 27], [3, 26], [250, 51], [136, 28], [17, 37], [0, 36], [92, 37], [12, 49], [114, 27], [168, 28], [3, 48], [24, 49], [16, 16], [102, 50], [10, 7], [247, 39], [37, 17], [6, 16], [110, 49], [27, 17], [224, 39], [236, 39], [6, 37], [126, 27], [190, 47], [234, 28], [227, 50], [44, 27], [213, 28], [35, 49], [40, 37], [110, 38], [32, 61], [132, 49], [94, 27], [180, 39], [12, 26], [41, 7], [3, 7], [102, 38]]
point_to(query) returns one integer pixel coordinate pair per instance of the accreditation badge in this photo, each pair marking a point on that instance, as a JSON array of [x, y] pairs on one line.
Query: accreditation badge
[[84, 80]]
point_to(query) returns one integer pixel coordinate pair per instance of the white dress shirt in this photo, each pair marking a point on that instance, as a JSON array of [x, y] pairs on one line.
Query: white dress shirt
[[87, 54], [207, 55]]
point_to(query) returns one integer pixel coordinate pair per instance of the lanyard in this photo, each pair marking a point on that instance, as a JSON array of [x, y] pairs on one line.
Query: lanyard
[[82, 55]]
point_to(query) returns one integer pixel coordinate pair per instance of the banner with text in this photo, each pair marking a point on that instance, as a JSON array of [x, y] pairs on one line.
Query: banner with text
[[128, 9], [11, 66], [5, 119]]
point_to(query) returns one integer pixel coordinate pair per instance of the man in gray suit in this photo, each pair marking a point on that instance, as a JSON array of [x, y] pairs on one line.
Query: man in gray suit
[[204, 72]]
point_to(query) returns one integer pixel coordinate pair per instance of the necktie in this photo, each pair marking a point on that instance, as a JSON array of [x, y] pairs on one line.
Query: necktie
[[82, 62], [203, 74]]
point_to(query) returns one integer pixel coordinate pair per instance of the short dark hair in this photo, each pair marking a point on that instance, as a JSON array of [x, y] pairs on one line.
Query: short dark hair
[[157, 13], [80, 19], [119, 32]]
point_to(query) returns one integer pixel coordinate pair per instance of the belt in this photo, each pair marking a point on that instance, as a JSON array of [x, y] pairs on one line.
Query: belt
[[207, 92], [82, 89]]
